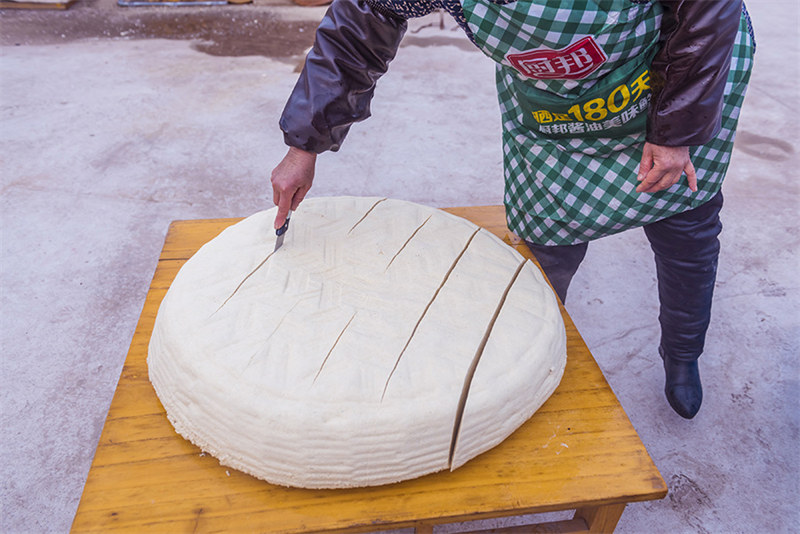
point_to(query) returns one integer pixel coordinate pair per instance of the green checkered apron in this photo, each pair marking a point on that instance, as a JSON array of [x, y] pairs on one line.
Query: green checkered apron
[[573, 86]]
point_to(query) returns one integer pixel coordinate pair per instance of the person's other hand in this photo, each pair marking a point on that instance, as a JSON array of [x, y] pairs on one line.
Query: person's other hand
[[662, 166], [291, 180]]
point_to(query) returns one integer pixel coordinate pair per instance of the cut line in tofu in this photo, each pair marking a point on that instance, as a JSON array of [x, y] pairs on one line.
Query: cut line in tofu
[[416, 230], [365, 215], [427, 307], [327, 355], [251, 273], [473, 366], [490, 414]]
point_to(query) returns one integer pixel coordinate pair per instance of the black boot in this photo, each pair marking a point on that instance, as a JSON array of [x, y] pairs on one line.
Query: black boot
[[682, 387], [686, 250], [559, 263]]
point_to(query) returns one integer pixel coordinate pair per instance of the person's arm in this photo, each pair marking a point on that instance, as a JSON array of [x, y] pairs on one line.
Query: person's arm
[[687, 78], [353, 47]]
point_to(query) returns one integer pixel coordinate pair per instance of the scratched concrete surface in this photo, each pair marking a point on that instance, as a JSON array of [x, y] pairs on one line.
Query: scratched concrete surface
[[115, 122]]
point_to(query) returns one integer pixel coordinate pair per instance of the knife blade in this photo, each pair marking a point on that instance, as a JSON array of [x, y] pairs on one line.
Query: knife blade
[[281, 232]]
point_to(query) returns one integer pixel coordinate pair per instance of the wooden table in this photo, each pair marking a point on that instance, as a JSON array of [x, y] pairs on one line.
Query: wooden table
[[579, 451]]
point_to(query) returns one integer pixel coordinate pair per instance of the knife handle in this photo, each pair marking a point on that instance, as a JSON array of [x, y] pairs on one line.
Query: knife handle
[[282, 230]]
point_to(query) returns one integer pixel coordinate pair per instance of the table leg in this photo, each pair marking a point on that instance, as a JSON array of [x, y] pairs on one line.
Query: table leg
[[601, 518], [589, 519]]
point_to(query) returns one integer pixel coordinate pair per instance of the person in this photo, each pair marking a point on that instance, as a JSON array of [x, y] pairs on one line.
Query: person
[[606, 106]]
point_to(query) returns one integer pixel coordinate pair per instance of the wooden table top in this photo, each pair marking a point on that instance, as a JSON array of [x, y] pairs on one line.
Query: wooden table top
[[579, 449]]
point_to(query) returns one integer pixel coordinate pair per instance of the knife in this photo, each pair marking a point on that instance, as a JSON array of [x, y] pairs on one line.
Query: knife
[[280, 232]]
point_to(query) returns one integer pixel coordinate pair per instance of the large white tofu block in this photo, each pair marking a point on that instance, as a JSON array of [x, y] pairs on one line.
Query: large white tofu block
[[385, 340]]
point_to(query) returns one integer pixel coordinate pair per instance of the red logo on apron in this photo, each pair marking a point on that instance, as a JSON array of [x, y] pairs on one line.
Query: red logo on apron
[[574, 62]]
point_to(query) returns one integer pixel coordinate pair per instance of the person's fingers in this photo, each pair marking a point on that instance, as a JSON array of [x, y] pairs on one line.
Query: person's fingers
[[664, 175], [283, 212], [650, 179], [691, 176], [291, 180], [278, 197], [275, 181], [282, 194], [645, 186], [668, 180], [662, 167], [647, 162], [659, 181], [299, 195]]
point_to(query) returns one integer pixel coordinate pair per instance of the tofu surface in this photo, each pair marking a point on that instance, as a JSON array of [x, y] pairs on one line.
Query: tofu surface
[[383, 341]]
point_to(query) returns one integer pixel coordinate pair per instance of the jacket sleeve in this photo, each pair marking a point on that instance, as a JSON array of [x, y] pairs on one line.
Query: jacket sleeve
[[688, 74], [353, 47]]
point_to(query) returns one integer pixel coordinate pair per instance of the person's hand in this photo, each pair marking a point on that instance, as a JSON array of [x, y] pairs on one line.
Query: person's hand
[[291, 180], [662, 167]]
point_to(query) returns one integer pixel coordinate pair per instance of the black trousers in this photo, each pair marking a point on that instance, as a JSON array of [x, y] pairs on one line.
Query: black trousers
[[686, 248]]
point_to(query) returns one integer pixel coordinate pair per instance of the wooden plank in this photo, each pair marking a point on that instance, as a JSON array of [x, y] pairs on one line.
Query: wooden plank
[[184, 238], [601, 519], [579, 450], [569, 526]]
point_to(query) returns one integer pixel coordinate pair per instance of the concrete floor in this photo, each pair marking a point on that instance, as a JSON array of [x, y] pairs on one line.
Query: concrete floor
[[116, 121]]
